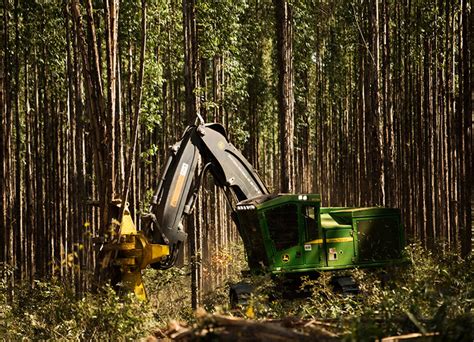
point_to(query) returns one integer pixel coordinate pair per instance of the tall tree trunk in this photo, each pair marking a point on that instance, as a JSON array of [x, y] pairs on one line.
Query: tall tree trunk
[[111, 12], [284, 33], [468, 126], [4, 85], [191, 65], [191, 81]]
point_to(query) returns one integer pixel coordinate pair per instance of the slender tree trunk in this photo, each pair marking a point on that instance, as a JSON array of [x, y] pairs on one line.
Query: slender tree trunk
[[111, 12], [284, 33], [4, 81], [191, 65], [468, 126], [191, 79]]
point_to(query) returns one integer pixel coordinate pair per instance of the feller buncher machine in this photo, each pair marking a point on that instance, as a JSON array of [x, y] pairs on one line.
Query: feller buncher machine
[[282, 233]]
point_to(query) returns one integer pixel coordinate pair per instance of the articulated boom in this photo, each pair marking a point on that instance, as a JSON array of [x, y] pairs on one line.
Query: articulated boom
[[178, 188]]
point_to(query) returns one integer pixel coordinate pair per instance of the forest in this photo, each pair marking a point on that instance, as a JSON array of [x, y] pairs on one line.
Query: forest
[[364, 102]]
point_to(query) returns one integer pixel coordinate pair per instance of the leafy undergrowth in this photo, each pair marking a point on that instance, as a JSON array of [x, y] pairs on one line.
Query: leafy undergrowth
[[431, 294], [51, 311]]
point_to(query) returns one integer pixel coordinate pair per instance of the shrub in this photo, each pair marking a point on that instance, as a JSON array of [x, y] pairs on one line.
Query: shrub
[[433, 293], [50, 310]]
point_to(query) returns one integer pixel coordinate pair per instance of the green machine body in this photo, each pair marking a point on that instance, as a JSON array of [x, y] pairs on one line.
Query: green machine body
[[285, 233]]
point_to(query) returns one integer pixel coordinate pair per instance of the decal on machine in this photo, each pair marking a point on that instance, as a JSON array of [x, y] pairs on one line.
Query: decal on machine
[[179, 185], [341, 239], [285, 258], [307, 248], [332, 254]]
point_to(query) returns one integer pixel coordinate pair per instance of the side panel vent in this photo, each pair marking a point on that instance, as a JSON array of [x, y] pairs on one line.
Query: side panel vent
[[379, 239]]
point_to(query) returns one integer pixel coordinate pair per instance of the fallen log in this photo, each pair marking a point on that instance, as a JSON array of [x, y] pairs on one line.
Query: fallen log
[[229, 329]]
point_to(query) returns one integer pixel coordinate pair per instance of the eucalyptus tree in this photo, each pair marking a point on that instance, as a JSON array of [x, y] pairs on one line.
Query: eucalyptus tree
[[284, 34]]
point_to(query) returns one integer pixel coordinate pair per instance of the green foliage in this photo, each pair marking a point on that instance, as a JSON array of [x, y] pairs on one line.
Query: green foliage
[[52, 311], [433, 293], [169, 291], [146, 156], [218, 26]]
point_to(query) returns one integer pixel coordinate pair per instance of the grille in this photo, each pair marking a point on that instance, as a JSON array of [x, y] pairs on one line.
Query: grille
[[379, 239]]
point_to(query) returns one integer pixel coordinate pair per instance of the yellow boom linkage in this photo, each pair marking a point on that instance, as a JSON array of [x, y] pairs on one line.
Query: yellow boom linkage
[[133, 254]]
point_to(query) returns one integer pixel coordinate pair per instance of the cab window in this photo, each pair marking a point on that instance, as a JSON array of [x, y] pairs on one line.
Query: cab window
[[311, 222], [283, 226]]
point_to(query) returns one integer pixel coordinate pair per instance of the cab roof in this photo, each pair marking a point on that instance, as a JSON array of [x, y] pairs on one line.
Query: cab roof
[[268, 200]]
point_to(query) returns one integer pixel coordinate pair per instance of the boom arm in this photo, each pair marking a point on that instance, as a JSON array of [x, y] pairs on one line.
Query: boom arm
[[178, 187]]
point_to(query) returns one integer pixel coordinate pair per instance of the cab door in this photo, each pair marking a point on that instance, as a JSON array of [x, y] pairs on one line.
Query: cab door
[[313, 242], [282, 223]]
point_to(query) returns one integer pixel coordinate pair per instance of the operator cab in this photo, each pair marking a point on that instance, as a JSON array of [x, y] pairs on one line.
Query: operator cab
[[275, 227]]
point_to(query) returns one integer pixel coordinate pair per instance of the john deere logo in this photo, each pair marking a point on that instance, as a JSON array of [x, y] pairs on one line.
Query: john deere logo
[[285, 258]]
